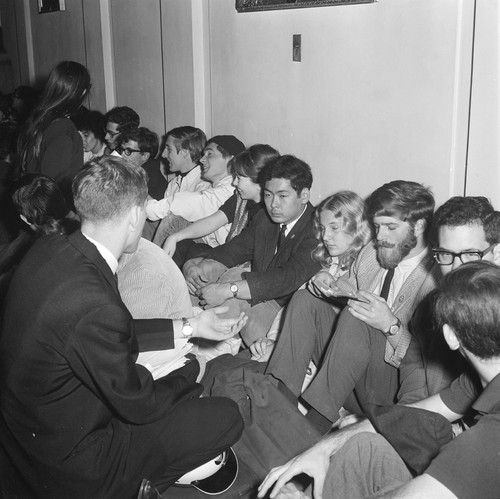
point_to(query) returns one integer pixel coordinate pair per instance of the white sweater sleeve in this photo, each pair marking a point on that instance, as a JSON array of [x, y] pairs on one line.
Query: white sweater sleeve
[[195, 205], [158, 209]]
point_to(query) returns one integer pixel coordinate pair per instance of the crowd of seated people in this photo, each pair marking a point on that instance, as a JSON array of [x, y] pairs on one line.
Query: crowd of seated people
[[378, 317]]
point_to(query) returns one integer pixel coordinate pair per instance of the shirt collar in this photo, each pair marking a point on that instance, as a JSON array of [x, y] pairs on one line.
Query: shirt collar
[[105, 253], [290, 225], [185, 174], [227, 180], [411, 263]]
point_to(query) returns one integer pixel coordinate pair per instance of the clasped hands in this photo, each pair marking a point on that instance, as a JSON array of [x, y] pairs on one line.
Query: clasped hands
[[198, 272], [367, 307]]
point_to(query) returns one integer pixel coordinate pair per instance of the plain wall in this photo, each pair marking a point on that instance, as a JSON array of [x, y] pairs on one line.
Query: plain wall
[[56, 36], [483, 161], [37, 42], [177, 31], [375, 98], [384, 90], [137, 57]]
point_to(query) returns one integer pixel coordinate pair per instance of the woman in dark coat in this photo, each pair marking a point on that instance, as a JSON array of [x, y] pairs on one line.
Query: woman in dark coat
[[50, 143]]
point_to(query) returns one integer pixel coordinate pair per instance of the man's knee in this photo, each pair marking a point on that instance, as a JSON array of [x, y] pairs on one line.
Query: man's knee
[[212, 269], [232, 423], [354, 330], [260, 320], [367, 444], [302, 298], [212, 418]]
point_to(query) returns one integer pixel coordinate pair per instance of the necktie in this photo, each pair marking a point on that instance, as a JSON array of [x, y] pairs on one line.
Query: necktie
[[387, 284], [281, 236]]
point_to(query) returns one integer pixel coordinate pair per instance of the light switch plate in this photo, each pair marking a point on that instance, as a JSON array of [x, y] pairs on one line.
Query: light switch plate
[[297, 48]]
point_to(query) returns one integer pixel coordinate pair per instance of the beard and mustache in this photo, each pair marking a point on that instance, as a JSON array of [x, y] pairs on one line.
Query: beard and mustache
[[390, 255]]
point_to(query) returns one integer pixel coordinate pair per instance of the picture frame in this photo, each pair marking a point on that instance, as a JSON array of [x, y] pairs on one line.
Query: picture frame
[[258, 5], [46, 6]]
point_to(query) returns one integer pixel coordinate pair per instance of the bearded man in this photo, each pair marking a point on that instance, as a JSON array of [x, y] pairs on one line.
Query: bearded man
[[390, 278]]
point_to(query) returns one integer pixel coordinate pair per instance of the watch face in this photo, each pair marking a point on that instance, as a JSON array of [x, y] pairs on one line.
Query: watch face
[[187, 329], [395, 328], [233, 288]]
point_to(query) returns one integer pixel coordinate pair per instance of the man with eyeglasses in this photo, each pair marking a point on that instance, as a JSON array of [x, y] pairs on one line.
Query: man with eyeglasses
[[140, 146], [467, 230], [118, 120], [419, 456]]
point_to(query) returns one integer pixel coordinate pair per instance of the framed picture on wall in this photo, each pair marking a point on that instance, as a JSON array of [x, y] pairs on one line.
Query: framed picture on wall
[[255, 5], [45, 6]]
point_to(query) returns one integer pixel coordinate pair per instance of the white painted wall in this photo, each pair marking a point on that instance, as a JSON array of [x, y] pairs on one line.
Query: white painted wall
[[177, 28], [483, 171], [137, 58], [381, 92]]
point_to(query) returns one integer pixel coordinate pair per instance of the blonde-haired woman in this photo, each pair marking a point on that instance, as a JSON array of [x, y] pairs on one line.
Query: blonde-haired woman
[[342, 229]]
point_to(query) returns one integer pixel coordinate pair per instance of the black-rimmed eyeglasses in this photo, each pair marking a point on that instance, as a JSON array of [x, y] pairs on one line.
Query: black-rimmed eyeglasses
[[127, 151], [444, 257]]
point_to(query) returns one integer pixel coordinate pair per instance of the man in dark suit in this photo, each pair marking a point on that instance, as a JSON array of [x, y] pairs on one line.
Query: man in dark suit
[[78, 416], [278, 242]]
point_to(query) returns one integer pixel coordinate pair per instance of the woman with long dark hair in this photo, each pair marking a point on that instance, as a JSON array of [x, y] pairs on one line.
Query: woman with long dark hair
[[50, 143]]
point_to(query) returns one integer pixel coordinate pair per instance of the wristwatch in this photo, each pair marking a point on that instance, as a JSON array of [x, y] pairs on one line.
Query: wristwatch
[[234, 289], [394, 329], [187, 329]]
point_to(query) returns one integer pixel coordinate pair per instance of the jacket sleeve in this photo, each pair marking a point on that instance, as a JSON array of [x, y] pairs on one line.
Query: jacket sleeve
[[100, 356], [280, 283], [288, 271], [154, 334], [397, 346], [239, 250]]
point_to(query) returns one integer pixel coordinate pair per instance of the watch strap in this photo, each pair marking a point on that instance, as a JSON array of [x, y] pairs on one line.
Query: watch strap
[[394, 329]]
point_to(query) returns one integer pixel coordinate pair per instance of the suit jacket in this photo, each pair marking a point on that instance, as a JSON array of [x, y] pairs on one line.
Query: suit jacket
[[68, 351], [365, 274], [274, 276]]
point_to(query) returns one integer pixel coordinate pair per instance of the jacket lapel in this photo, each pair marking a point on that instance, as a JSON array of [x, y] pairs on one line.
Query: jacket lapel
[[270, 241], [413, 283], [297, 229]]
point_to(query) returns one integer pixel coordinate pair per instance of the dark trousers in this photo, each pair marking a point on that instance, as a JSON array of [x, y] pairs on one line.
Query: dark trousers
[[121, 454], [197, 431], [307, 329], [353, 372]]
